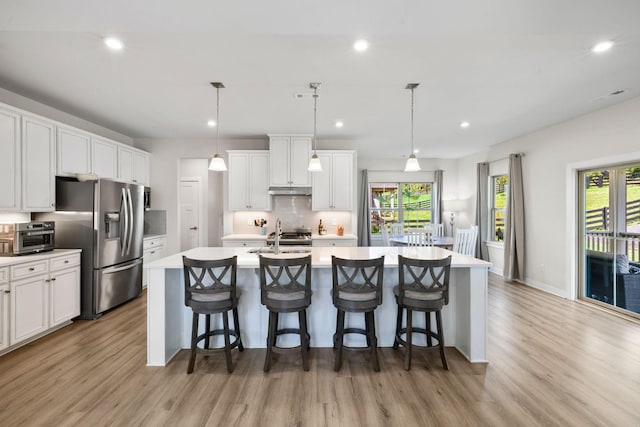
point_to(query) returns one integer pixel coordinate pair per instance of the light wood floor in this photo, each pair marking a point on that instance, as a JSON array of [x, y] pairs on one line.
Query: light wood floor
[[552, 362]]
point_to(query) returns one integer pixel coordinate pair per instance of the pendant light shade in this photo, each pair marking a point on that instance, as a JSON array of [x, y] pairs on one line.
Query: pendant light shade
[[314, 163], [412, 162], [217, 162]]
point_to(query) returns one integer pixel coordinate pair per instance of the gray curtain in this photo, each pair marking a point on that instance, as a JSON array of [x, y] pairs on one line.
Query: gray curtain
[[364, 224], [482, 211], [437, 198], [514, 236]]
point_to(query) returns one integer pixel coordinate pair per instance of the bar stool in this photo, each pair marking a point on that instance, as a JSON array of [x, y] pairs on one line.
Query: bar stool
[[285, 287], [210, 288], [357, 288], [423, 286]]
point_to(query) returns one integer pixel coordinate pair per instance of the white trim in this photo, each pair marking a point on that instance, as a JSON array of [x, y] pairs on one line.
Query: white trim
[[545, 287], [202, 213]]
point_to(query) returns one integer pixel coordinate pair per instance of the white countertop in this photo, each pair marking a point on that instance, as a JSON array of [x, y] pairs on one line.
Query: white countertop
[[19, 259], [321, 256], [264, 237]]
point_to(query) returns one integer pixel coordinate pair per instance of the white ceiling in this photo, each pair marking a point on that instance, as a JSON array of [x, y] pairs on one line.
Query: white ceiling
[[507, 66]]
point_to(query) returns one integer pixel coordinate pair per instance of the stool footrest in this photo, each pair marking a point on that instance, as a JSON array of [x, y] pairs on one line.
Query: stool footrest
[[232, 333], [426, 332]]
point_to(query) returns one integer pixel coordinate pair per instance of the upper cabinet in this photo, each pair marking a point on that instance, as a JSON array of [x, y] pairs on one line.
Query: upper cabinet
[[10, 160], [248, 180], [333, 187], [133, 165], [289, 159], [104, 158], [73, 152], [38, 164]]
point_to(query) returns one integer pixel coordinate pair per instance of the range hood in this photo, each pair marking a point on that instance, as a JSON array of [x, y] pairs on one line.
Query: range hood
[[290, 191]]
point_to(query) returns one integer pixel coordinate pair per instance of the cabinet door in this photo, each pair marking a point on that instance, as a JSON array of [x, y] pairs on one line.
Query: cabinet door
[[29, 308], [279, 162], [104, 158], [140, 172], [299, 155], [238, 182], [73, 152], [342, 181], [259, 198], [64, 296], [38, 165], [321, 193], [4, 316], [9, 160], [125, 164]]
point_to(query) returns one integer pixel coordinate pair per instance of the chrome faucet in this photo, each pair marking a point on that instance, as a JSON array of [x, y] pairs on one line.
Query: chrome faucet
[[276, 242]]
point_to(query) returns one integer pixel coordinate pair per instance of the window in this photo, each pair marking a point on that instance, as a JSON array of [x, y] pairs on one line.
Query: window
[[408, 203], [499, 192]]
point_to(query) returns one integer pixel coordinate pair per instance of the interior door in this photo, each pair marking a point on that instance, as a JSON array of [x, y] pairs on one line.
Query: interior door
[[189, 201]]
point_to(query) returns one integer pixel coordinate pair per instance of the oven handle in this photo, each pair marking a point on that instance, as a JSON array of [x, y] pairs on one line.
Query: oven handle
[[37, 233]]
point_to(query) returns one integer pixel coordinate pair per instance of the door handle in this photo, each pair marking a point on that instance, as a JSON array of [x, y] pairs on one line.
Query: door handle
[[193, 228]]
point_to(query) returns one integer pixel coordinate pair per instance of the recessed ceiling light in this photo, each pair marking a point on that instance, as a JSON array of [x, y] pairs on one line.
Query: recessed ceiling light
[[602, 47], [211, 123], [361, 45], [464, 124], [113, 43], [339, 123]]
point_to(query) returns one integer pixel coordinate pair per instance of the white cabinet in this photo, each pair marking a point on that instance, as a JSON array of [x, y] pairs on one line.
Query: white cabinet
[[333, 242], [248, 180], [4, 308], [73, 152], [245, 243], [153, 248], [133, 165], [10, 160], [38, 164], [289, 159], [333, 187], [39, 295], [104, 158]]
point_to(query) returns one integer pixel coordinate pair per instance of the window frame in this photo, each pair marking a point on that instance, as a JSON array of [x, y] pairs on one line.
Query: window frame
[[399, 209], [493, 210]]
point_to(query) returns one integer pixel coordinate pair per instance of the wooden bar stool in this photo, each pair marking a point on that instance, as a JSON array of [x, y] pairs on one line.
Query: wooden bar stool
[[210, 288], [357, 288], [424, 287], [285, 287]]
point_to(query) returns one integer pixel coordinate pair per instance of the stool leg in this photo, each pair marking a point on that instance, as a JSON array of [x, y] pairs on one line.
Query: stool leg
[[236, 322], [207, 329], [335, 336], [270, 340], [371, 337], [276, 317], [339, 338], [407, 354], [194, 342], [227, 341], [304, 338], [427, 317], [441, 340], [396, 342]]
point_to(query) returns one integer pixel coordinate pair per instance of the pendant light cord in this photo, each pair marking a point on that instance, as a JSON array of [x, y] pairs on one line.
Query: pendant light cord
[[315, 114], [217, 120], [412, 89]]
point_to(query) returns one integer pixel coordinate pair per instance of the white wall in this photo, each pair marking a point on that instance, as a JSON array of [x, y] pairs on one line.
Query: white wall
[[38, 108], [593, 138]]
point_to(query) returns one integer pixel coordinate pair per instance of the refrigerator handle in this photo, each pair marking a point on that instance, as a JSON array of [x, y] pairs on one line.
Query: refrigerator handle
[[130, 205], [127, 266], [124, 237]]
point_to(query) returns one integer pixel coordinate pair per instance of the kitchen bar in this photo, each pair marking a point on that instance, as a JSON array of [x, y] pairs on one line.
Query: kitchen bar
[[169, 321]]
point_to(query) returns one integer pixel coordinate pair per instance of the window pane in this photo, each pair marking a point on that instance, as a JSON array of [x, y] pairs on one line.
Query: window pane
[[498, 225], [416, 204], [597, 201], [633, 200], [500, 184]]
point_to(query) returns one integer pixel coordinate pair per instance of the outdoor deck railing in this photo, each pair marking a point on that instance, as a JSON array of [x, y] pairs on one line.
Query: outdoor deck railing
[[602, 241]]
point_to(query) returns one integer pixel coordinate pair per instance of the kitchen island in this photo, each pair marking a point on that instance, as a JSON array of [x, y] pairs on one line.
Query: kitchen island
[[169, 320]]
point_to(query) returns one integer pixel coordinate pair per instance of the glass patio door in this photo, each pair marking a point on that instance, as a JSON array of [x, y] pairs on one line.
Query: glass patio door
[[610, 243]]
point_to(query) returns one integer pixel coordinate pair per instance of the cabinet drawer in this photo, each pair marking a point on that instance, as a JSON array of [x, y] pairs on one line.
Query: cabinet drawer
[[333, 242], [29, 269], [153, 242], [4, 274], [64, 261], [244, 243]]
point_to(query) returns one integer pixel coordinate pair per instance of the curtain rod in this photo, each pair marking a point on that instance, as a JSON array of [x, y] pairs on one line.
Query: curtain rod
[[504, 158], [395, 170]]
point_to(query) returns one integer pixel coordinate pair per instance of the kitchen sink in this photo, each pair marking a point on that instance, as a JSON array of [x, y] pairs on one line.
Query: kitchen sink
[[269, 250]]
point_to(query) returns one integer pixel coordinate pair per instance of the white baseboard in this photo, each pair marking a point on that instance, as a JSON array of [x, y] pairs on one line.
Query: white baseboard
[[562, 293]]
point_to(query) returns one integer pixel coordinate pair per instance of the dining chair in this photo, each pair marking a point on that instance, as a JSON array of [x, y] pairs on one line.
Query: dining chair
[[210, 288], [385, 235], [418, 237], [465, 241], [397, 229], [436, 230]]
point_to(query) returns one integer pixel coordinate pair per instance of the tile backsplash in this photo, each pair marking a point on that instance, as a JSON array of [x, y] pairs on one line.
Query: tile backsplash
[[293, 211]]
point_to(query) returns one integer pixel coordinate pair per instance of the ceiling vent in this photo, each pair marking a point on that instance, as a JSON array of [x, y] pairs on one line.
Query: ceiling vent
[[303, 96]]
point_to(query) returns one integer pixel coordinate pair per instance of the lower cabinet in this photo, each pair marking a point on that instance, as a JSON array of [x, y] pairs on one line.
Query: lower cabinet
[[153, 248], [333, 242], [39, 296], [244, 243]]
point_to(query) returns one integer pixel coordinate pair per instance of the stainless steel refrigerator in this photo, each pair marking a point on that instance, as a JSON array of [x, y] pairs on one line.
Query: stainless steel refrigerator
[[105, 219]]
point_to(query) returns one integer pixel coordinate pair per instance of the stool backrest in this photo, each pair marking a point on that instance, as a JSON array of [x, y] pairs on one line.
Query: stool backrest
[[285, 276], [423, 276], [206, 279], [465, 241], [357, 276]]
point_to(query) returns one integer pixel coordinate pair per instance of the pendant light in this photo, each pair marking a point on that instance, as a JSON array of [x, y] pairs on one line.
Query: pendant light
[[412, 163], [314, 163], [217, 162]]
